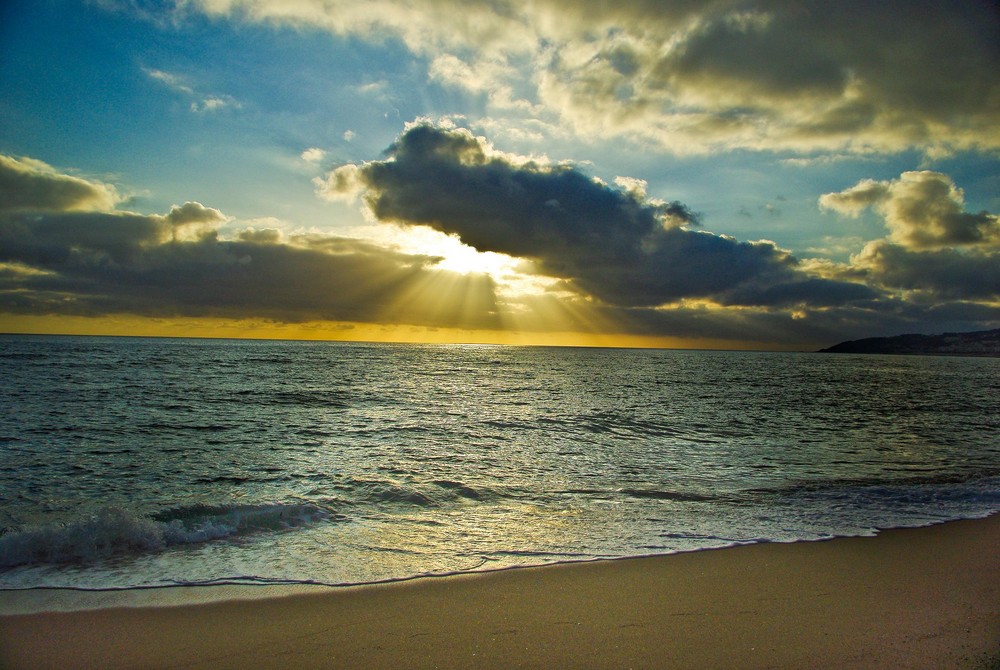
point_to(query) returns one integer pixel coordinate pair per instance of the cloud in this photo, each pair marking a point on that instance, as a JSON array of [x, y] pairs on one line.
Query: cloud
[[193, 221], [201, 102], [624, 263], [854, 200], [923, 210], [611, 243], [935, 249], [212, 103], [313, 155], [29, 184], [939, 274], [424, 26], [344, 184], [852, 77], [61, 254], [194, 213], [172, 81], [856, 77], [264, 236], [632, 185], [495, 79]]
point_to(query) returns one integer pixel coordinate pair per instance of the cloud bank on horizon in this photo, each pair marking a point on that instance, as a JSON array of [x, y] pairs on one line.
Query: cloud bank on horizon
[[881, 106]]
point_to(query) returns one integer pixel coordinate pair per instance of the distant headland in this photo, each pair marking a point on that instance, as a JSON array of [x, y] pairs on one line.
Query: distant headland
[[980, 343]]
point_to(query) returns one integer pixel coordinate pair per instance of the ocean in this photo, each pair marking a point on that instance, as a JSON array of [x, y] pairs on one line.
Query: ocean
[[130, 463]]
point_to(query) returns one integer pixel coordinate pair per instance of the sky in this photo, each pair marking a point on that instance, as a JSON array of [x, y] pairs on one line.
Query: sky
[[718, 174]]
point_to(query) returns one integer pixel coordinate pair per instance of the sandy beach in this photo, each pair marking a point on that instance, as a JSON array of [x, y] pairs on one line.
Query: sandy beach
[[909, 598]]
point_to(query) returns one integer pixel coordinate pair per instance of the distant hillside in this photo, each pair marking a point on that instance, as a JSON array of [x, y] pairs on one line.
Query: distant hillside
[[982, 343]]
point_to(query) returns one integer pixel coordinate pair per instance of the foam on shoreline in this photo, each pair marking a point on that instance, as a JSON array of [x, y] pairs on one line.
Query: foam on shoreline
[[44, 599], [927, 597]]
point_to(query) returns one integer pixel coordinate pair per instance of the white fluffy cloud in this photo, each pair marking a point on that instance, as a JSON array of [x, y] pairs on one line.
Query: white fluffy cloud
[[341, 184], [935, 250], [923, 210], [313, 155]]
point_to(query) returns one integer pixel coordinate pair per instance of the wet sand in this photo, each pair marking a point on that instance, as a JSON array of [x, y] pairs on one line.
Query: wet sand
[[909, 598]]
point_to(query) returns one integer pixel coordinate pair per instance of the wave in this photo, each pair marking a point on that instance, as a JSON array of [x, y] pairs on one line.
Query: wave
[[114, 531], [436, 493], [326, 398], [464, 490], [658, 494], [383, 491], [899, 501], [179, 426], [980, 480]]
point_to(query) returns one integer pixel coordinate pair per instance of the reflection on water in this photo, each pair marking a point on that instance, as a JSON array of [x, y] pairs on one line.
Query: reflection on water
[[410, 459]]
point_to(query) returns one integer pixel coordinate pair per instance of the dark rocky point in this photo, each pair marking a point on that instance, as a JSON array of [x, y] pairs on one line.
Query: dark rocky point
[[981, 343]]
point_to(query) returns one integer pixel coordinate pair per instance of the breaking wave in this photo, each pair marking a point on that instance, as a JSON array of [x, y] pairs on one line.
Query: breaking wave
[[114, 531]]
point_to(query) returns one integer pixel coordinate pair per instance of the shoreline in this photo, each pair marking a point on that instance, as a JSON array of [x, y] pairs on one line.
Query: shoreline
[[60, 599], [917, 597]]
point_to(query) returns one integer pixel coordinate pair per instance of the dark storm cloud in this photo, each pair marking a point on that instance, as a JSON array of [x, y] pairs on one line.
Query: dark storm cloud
[[801, 291], [943, 273], [743, 50], [855, 74], [931, 59], [97, 263], [611, 243]]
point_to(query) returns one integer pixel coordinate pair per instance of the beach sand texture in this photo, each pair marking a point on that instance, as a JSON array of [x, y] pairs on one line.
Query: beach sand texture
[[910, 598]]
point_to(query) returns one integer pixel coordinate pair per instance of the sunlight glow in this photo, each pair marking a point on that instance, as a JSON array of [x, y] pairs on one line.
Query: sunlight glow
[[203, 327], [455, 255]]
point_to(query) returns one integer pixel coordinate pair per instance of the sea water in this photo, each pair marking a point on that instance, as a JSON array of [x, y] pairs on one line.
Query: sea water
[[129, 463]]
